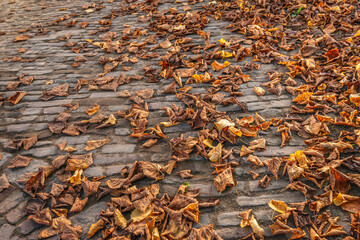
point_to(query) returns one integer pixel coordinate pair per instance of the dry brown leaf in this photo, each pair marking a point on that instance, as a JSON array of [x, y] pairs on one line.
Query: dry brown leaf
[[93, 110], [22, 37], [224, 179], [91, 145], [16, 97], [94, 228], [4, 183], [19, 161]]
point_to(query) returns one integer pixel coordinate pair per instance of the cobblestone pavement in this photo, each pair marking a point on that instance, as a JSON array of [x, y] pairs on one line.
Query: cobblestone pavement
[[54, 62]]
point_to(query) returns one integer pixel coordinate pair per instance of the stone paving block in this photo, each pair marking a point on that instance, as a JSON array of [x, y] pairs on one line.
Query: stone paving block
[[16, 214], [17, 128], [28, 226], [108, 159], [118, 148], [104, 95], [52, 103], [42, 151], [11, 201], [123, 131], [233, 232], [27, 119], [54, 110], [6, 231], [32, 111], [277, 152], [115, 169], [288, 197], [228, 219], [274, 185], [93, 172]]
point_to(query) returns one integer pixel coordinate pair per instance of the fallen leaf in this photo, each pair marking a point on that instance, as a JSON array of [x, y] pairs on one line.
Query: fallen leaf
[[91, 145]]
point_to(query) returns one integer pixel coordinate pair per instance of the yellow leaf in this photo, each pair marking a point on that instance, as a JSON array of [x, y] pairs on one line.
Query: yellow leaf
[[76, 178], [93, 110], [224, 123], [256, 228], [111, 120], [216, 66], [137, 216], [235, 131], [339, 200], [70, 149], [224, 42], [94, 228], [215, 153], [225, 54], [279, 206], [357, 34], [301, 158], [208, 142], [155, 234], [335, 9], [303, 98], [120, 220], [169, 124]]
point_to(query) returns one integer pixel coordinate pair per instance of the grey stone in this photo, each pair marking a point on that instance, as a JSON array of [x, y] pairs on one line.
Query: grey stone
[[43, 151], [122, 131], [11, 201], [115, 169], [51, 103], [6, 231], [274, 185], [17, 128], [104, 95], [228, 219], [119, 148], [101, 159], [277, 152], [93, 171], [288, 197], [233, 232], [53, 110], [16, 214], [28, 226]]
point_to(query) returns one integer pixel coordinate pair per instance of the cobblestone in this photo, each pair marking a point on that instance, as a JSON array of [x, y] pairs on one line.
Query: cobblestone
[[6, 231], [16, 128], [252, 201], [119, 148], [16, 214], [11, 201]]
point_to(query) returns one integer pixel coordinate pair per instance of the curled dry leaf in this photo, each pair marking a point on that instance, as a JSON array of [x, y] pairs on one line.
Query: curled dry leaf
[[259, 91], [185, 174], [149, 143], [93, 110], [4, 183], [16, 97], [22, 37], [94, 228]]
